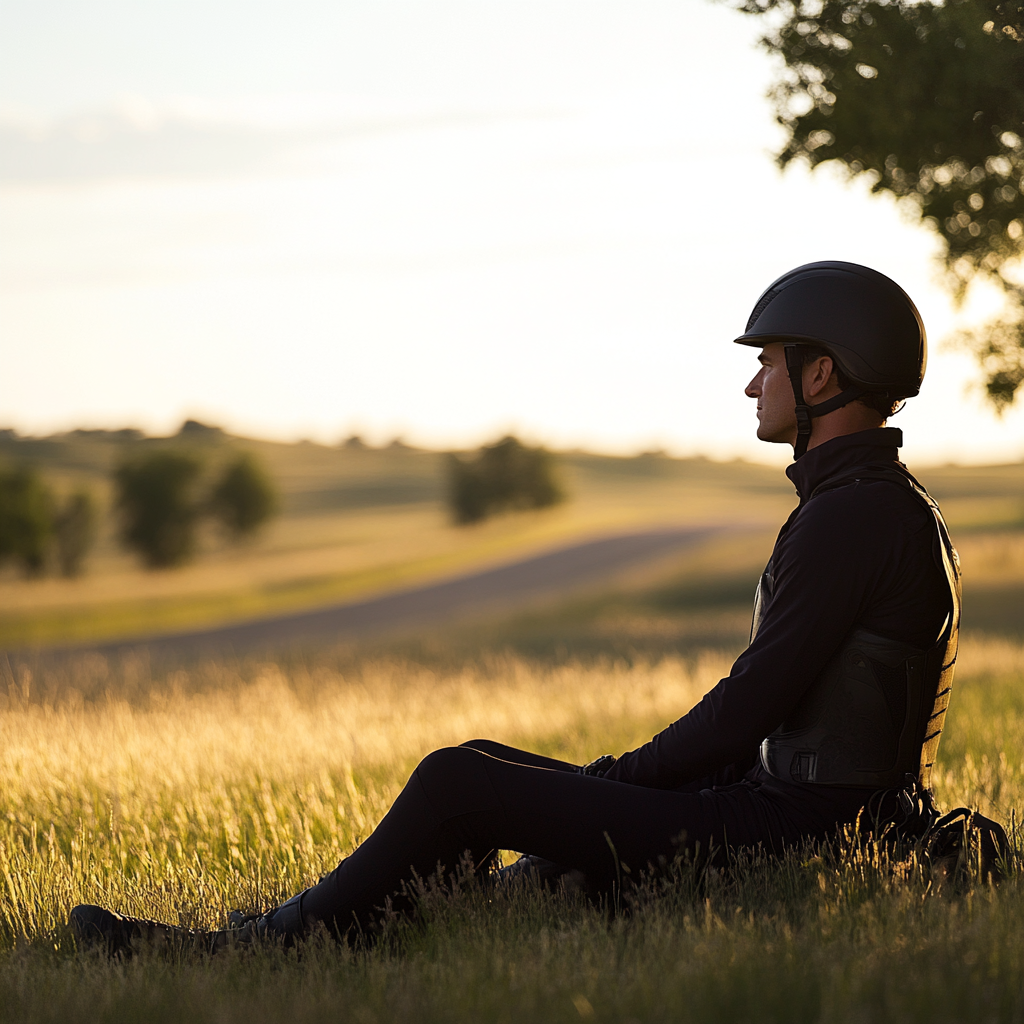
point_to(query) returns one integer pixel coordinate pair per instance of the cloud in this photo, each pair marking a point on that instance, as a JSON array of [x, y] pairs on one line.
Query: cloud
[[189, 138], [104, 146]]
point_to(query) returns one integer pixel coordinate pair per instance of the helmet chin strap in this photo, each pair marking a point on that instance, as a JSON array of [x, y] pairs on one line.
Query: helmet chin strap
[[805, 412]]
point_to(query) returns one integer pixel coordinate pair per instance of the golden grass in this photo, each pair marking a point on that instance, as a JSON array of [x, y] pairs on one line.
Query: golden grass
[[992, 557], [270, 778], [236, 784], [990, 657]]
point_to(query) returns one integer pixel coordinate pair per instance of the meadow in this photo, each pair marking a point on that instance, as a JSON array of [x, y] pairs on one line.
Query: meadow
[[354, 522], [183, 789], [235, 783]]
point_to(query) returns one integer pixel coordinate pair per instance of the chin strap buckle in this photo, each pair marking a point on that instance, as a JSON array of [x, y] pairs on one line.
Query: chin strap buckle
[[795, 366], [803, 421]]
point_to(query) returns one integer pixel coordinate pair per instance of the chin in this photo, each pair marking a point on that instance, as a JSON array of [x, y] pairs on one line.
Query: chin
[[773, 436]]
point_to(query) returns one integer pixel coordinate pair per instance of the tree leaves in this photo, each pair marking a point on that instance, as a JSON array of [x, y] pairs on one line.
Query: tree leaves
[[928, 100]]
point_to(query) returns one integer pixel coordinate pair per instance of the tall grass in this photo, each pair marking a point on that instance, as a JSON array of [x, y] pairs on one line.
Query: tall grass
[[234, 785], [241, 787]]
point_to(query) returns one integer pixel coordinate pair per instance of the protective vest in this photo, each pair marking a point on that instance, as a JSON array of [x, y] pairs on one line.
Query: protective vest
[[874, 715]]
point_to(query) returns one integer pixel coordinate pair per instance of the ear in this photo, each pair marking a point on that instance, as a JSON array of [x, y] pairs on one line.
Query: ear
[[817, 375]]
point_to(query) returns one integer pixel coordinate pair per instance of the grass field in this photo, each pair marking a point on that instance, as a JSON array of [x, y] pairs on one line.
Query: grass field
[[182, 789], [233, 784], [357, 522]]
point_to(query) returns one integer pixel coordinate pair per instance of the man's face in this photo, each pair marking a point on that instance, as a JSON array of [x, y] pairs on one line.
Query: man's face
[[776, 408]]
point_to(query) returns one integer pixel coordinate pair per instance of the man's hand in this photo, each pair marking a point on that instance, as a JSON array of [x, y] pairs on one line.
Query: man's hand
[[598, 766]]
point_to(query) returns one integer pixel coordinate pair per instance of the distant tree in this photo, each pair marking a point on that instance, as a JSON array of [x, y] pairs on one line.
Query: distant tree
[[156, 497], [75, 528], [468, 495], [194, 430], [927, 99], [501, 477], [124, 434], [244, 498], [26, 519]]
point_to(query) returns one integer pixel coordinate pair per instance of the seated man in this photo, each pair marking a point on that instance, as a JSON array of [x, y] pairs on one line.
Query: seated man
[[840, 694]]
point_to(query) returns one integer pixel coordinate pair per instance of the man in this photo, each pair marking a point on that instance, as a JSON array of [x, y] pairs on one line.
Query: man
[[840, 695]]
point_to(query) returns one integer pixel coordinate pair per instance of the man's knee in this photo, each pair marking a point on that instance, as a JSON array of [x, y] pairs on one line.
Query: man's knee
[[484, 746], [446, 763], [455, 780]]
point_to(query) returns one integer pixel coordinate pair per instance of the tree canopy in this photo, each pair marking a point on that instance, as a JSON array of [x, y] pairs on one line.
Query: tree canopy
[[159, 508], [244, 498], [503, 476], [928, 99], [26, 519]]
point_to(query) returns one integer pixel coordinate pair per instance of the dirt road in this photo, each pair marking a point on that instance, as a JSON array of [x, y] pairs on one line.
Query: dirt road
[[505, 588]]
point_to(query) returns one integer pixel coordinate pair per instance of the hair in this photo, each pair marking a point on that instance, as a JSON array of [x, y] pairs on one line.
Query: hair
[[881, 402]]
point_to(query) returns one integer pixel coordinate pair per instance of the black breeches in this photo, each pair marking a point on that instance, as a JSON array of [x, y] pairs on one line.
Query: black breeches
[[483, 797]]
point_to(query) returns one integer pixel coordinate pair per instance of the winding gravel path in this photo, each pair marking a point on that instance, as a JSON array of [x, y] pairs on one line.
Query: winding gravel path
[[504, 588]]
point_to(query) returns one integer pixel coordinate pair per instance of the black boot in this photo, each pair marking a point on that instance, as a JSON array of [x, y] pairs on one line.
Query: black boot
[[120, 934], [123, 935]]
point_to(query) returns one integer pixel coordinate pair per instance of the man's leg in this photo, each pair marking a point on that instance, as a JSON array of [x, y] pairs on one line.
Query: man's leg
[[461, 798], [517, 756]]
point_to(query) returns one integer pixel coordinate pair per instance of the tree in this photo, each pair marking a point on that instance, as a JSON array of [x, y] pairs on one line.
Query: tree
[[26, 519], [467, 491], [503, 476], [927, 99], [244, 498], [75, 529], [156, 496]]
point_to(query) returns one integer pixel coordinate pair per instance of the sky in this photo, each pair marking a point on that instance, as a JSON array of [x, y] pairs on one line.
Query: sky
[[443, 220]]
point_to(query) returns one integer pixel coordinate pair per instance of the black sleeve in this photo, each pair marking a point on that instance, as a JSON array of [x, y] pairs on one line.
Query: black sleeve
[[826, 567]]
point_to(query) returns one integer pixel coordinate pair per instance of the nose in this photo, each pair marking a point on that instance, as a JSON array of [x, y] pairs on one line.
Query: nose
[[753, 389]]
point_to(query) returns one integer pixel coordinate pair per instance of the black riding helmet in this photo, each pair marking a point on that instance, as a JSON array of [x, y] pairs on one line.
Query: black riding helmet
[[864, 320]]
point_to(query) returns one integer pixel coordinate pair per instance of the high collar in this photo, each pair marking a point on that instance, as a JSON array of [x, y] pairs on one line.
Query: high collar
[[877, 446]]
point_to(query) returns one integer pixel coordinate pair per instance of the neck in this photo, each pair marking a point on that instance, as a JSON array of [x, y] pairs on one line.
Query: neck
[[850, 419]]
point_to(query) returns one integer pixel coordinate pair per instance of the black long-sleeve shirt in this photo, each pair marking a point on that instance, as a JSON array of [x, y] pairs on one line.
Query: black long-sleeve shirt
[[861, 555]]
